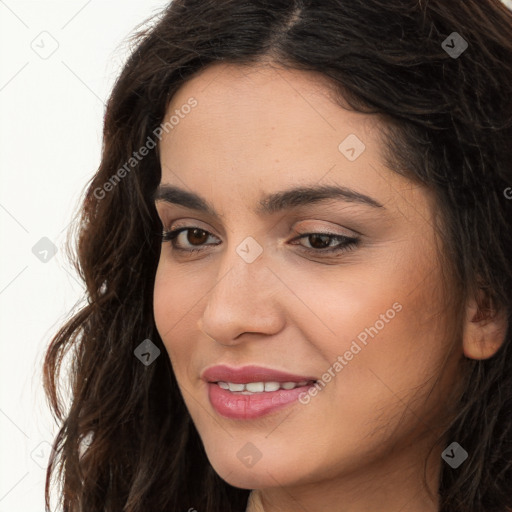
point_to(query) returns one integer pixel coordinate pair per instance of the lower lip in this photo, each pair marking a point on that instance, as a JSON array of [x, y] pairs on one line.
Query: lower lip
[[246, 407]]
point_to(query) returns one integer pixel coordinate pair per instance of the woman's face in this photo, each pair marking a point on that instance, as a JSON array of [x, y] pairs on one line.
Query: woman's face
[[365, 319]]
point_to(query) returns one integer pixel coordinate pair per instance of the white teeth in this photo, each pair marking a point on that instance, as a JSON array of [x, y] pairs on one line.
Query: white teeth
[[236, 387], [259, 387], [271, 386], [255, 387]]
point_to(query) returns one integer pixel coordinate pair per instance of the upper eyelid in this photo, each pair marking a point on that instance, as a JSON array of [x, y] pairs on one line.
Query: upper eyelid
[[162, 207], [196, 223], [309, 231]]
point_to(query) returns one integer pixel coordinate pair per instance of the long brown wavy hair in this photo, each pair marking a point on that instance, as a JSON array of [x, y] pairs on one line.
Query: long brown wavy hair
[[126, 441]]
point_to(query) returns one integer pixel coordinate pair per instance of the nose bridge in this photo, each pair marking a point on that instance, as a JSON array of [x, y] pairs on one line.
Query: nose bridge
[[240, 301]]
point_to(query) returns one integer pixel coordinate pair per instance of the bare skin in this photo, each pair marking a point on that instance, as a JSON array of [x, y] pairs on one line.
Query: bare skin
[[360, 444]]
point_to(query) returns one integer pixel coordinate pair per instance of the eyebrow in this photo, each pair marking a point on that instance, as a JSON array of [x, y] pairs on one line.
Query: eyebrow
[[270, 203]]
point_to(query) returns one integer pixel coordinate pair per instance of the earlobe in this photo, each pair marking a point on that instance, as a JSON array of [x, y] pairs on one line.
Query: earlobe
[[484, 330]]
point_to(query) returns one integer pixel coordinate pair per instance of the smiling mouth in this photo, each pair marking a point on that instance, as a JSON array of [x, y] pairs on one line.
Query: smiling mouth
[[249, 392]]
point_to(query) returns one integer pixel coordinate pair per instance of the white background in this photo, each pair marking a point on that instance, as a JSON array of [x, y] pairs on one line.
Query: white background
[[51, 114]]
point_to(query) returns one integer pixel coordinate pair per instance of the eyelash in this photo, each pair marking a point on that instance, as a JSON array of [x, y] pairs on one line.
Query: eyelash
[[346, 243]]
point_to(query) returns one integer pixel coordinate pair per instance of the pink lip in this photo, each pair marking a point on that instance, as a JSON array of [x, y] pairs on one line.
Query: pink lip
[[239, 406], [246, 374]]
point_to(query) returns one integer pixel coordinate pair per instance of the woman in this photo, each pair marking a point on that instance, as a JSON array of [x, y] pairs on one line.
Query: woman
[[297, 257]]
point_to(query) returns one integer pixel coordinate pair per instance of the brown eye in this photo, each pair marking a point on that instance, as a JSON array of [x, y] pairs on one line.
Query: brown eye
[[318, 241], [197, 236], [321, 243], [182, 238]]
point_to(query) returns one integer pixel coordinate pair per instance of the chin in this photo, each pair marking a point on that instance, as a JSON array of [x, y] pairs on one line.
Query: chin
[[248, 480], [266, 472]]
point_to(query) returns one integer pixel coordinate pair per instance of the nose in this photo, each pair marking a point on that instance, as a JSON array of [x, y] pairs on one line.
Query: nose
[[243, 300]]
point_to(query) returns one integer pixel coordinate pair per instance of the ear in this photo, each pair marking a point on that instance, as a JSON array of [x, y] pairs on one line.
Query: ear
[[484, 329]]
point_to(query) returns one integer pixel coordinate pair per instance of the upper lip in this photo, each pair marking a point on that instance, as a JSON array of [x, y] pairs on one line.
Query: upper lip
[[247, 374]]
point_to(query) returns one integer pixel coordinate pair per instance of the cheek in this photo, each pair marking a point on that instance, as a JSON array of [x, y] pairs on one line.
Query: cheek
[[174, 296], [386, 323], [173, 301]]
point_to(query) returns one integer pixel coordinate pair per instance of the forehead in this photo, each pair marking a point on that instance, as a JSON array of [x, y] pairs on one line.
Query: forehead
[[261, 129], [264, 104], [264, 114]]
